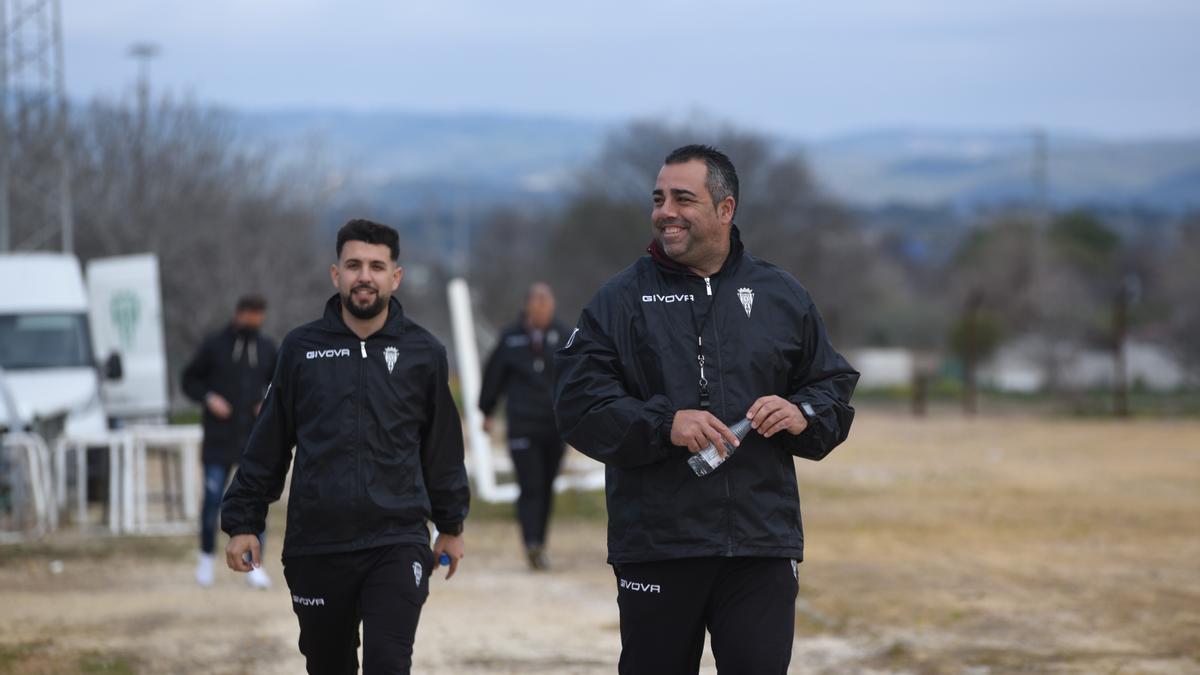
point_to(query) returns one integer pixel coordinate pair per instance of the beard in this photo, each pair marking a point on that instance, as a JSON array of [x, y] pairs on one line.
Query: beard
[[364, 312]]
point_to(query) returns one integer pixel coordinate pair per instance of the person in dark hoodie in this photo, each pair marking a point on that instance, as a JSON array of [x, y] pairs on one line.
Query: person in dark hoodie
[[228, 376], [520, 369], [363, 397], [670, 353]]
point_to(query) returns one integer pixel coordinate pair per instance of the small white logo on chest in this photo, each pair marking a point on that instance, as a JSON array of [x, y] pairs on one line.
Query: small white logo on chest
[[327, 353], [746, 295], [390, 355], [669, 298]]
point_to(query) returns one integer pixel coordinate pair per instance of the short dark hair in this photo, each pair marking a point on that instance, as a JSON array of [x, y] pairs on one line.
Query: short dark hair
[[722, 180], [252, 302], [370, 232]]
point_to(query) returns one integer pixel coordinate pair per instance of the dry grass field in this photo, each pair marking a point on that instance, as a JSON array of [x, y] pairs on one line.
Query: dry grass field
[[943, 545]]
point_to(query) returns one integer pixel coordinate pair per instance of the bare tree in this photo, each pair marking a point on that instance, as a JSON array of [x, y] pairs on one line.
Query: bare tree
[[223, 219], [1178, 290], [605, 225]]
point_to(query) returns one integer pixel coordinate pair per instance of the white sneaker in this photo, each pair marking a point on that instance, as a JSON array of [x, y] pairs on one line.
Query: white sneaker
[[258, 578], [204, 570]]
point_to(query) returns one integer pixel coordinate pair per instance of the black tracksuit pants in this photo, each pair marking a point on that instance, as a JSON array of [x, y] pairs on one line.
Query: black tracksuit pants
[[383, 588], [536, 459], [748, 605]]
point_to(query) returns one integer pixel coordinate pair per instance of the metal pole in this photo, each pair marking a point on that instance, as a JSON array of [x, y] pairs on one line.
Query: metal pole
[[143, 52], [469, 378], [66, 212], [1120, 321], [5, 231], [1037, 252]]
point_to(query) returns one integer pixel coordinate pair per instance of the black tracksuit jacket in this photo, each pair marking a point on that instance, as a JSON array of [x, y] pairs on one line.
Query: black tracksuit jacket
[[631, 363], [512, 370], [237, 365], [379, 446]]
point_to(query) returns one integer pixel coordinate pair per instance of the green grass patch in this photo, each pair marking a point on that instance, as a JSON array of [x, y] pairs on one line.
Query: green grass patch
[[184, 416], [13, 655], [40, 657], [106, 664], [570, 505], [74, 547], [1089, 403]]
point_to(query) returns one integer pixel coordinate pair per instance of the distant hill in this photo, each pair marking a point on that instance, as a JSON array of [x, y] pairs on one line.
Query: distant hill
[[980, 168], [408, 159], [487, 158]]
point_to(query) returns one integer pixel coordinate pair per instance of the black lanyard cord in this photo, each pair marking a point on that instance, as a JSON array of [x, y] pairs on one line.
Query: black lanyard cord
[[698, 326]]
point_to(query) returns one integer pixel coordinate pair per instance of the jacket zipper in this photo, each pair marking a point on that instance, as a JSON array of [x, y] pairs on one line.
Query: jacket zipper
[[360, 445], [707, 286]]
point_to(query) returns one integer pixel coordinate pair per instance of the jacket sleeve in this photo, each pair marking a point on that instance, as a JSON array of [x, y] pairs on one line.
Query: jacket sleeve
[[195, 374], [821, 383], [264, 463], [595, 410], [495, 376], [271, 357], [442, 454]]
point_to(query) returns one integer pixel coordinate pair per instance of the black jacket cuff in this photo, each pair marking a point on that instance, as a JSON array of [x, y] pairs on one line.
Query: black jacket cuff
[[453, 529]]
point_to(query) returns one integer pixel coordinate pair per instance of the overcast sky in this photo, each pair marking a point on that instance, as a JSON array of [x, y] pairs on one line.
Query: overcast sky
[[812, 70]]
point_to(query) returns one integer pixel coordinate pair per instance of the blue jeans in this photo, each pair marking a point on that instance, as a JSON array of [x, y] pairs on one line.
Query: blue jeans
[[216, 477]]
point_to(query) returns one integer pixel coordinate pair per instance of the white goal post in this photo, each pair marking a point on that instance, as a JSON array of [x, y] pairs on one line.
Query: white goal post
[[483, 461]]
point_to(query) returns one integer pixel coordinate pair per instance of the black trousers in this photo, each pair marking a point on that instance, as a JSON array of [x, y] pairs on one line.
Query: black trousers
[[748, 605], [536, 459], [383, 588]]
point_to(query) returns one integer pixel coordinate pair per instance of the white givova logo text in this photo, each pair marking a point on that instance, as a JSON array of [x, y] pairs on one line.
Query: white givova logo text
[[640, 587], [308, 602], [390, 355], [673, 297], [746, 295], [328, 353]]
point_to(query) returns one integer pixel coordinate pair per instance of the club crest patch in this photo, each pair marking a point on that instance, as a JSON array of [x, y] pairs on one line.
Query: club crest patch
[[746, 296]]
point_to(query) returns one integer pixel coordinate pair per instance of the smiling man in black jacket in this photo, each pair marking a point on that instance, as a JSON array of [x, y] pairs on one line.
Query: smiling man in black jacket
[[670, 352], [362, 395]]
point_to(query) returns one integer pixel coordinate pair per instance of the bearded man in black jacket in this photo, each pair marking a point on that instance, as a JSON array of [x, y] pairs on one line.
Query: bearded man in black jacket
[[691, 338], [362, 395]]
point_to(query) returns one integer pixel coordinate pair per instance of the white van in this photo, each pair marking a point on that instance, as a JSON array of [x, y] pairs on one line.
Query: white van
[[51, 365]]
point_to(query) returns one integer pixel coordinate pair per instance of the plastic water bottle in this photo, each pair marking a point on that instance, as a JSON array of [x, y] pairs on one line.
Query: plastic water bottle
[[707, 460]]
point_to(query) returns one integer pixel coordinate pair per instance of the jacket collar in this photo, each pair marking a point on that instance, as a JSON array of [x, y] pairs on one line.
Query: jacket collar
[[667, 264], [232, 332], [332, 320]]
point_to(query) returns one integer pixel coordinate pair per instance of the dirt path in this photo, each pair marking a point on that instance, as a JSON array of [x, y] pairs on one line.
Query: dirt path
[[941, 546], [494, 617]]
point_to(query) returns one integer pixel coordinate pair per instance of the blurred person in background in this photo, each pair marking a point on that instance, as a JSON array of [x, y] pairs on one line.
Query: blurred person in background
[[228, 376], [521, 370], [363, 396], [696, 335]]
